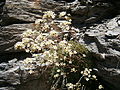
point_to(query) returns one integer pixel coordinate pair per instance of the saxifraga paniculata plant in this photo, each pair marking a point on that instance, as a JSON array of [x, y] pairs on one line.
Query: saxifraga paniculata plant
[[54, 42]]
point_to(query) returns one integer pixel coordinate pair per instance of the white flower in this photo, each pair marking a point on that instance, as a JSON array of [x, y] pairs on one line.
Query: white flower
[[42, 44], [50, 56], [55, 54], [70, 62], [57, 64], [66, 28], [82, 72], [54, 33], [68, 18], [70, 52], [103, 55], [35, 55], [31, 71], [28, 60], [34, 47], [39, 38], [86, 72], [94, 77], [46, 26], [84, 55], [58, 70], [100, 87], [27, 33], [62, 14], [70, 85], [65, 23], [73, 70], [56, 75], [26, 40], [47, 63], [87, 79], [64, 57], [75, 52], [86, 69], [49, 42], [63, 43], [19, 45], [38, 21], [46, 53], [62, 64], [27, 50], [62, 73], [89, 76], [54, 47], [49, 14], [90, 69]]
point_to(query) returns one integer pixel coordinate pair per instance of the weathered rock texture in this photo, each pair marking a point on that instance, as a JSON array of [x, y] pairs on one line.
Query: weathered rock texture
[[2, 3], [83, 11], [102, 38], [23, 12], [13, 73], [9, 35]]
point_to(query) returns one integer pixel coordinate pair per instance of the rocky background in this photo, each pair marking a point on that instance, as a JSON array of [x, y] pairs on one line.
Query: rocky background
[[99, 24]]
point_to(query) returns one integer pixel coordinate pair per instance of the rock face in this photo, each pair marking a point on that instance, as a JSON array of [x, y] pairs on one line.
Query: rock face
[[105, 37], [13, 73], [23, 12], [83, 12], [104, 40], [2, 3], [101, 38], [9, 35]]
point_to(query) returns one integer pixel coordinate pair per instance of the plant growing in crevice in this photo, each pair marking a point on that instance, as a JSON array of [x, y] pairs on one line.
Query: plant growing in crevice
[[53, 42]]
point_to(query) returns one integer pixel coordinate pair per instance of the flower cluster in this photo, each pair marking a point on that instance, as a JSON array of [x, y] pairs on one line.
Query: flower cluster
[[49, 14], [53, 42], [48, 33], [87, 74]]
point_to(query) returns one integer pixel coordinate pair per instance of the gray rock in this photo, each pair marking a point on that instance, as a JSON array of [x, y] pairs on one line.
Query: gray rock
[[109, 70], [11, 34], [113, 33], [103, 40], [112, 24], [11, 77], [2, 3], [14, 77], [22, 13], [82, 11], [3, 66], [22, 10], [7, 88]]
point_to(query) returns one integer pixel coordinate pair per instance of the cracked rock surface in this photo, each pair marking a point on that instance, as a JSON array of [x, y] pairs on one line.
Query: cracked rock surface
[[98, 21], [104, 40]]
